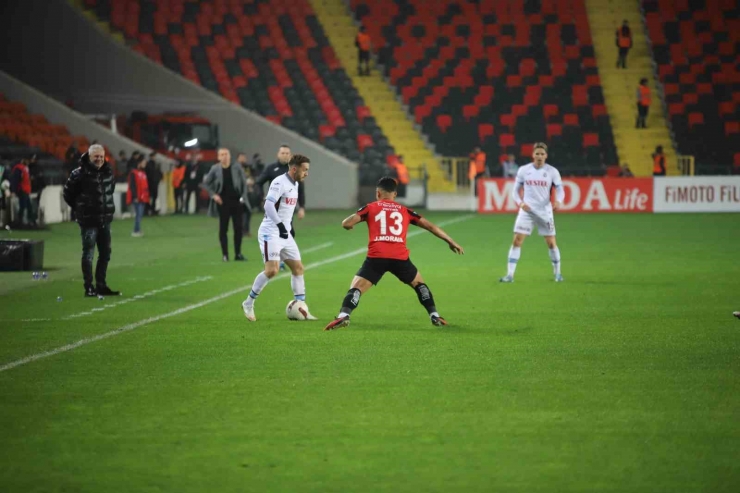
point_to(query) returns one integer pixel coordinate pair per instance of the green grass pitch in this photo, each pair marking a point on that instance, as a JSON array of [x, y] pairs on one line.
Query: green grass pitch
[[624, 378]]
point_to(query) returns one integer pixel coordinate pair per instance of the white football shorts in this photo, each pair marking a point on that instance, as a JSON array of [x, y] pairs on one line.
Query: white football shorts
[[277, 249], [544, 221]]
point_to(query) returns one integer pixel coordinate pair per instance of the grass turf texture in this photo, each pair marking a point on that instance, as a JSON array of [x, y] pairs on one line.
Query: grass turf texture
[[624, 378]]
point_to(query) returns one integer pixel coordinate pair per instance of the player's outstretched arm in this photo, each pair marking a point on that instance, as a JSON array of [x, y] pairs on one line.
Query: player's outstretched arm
[[350, 221], [439, 233]]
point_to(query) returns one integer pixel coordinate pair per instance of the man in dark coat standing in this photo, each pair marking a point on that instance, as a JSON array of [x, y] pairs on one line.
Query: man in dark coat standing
[[227, 186], [89, 193], [280, 167]]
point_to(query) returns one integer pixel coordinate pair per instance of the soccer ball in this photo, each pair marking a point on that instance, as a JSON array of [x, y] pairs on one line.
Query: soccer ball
[[297, 310]]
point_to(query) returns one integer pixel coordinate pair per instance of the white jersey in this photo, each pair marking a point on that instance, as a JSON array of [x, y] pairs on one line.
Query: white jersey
[[537, 184], [284, 194]]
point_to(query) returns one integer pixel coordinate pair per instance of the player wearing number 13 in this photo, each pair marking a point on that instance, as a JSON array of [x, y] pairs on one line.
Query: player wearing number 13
[[387, 223]]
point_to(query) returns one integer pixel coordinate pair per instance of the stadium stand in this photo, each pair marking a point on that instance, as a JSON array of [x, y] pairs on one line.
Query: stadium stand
[[497, 74], [270, 56], [695, 45], [23, 134]]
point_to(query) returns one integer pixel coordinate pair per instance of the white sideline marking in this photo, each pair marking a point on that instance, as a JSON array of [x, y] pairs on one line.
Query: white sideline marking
[[318, 247], [136, 325], [137, 297]]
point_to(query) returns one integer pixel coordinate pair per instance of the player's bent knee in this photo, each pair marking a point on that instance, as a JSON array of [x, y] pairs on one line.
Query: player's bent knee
[[417, 280], [271, 269]]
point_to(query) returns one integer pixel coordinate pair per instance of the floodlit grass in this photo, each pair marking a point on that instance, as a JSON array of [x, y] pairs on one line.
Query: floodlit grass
[[626, 377]]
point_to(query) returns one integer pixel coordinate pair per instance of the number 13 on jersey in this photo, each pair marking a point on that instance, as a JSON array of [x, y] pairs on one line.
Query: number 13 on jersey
[[396, 228]]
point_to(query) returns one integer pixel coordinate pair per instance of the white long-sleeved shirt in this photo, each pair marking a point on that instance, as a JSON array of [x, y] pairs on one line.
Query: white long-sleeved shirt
[[537, 184], [280, 202]]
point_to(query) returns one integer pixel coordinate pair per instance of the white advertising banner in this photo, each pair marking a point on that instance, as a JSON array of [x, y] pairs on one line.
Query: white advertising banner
[[696, 194]]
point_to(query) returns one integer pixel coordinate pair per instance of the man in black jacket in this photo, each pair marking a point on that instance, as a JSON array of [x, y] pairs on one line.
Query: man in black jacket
[[89, 192], [278, 168]]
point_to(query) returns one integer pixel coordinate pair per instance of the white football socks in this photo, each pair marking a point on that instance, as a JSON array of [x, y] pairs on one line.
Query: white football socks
[[257, 286], [555, 259], [298, 284], [514, 254]]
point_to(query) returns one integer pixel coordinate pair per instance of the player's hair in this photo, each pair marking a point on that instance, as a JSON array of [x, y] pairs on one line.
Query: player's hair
[[539, 145], [223, 148], [298, 159], [387, 184], [284, 145]]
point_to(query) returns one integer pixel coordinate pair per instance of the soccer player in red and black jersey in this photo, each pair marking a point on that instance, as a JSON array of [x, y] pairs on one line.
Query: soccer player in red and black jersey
[[388, 223]]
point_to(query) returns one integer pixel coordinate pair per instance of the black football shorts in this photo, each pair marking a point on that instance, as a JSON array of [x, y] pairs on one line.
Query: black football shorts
[[373, 269]]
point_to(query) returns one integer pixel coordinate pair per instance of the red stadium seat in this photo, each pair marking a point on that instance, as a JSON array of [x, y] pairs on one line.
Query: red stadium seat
[[364, 141], [444, 122], [470, 111], [508, 121], [732, 128], [590, 140], [506, 140], [695, 118], [549, 111], [554, 129], [485, 130]]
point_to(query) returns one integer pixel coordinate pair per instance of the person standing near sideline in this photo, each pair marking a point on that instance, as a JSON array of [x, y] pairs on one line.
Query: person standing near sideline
[[153, 176], [227, 186], [278, 168], [89, 192], [192, 181], [20, 186], [138, 195], [178, 185], [510, 167]]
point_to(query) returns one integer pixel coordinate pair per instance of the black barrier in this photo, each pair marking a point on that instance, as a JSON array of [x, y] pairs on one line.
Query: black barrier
[[21, 255]]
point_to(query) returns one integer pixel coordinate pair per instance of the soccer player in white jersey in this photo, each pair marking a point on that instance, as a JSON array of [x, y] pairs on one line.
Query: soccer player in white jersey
[[535, 209], [277, 236]]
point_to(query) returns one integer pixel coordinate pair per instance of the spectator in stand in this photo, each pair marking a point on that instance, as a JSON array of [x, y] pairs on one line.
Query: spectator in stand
[[477, 168], [20, 186], [658, 162], [138, 194], [510, 167], [192, 181], [625, 171], [153, 176], [624, 43], [89, 191], [363, 44], [178, 186], [643, 103]]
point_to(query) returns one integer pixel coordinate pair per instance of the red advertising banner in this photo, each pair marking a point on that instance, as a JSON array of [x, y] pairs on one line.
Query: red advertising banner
[[581, 195]]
